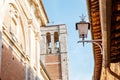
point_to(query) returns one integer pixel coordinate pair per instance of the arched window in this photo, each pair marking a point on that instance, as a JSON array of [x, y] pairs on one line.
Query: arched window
[[56, 37], [48, 38], [56, 42]]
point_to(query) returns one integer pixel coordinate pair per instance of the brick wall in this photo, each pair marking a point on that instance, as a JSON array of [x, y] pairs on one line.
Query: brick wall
[[12, 68], [53, 66]]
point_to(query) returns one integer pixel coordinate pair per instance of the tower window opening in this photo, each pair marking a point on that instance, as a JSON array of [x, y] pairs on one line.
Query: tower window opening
[[49, 47], [56, 42], [58, 47]]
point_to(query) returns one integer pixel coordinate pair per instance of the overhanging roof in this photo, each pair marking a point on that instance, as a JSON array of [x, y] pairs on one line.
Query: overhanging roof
[[106, 20], [94, 17]]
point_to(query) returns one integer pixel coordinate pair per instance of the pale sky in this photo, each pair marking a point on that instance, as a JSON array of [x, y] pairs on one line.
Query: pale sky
[[81, 61]]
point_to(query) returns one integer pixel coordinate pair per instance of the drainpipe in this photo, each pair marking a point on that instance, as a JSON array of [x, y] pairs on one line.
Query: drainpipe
[[105, 18]]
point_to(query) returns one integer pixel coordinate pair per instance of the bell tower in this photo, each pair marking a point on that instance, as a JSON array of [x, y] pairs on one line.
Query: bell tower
[[54, 54]]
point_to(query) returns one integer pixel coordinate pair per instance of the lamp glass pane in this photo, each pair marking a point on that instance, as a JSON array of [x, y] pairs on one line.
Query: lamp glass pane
[[83, 30]]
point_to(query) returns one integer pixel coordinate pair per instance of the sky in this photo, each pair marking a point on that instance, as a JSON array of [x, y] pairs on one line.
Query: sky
[[81, 61]]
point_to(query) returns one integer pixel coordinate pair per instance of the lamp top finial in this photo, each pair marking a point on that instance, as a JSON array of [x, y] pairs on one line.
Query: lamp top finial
[[82, 17]]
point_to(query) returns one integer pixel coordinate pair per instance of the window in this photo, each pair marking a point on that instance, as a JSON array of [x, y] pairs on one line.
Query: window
[[56, 42], [49, 46]]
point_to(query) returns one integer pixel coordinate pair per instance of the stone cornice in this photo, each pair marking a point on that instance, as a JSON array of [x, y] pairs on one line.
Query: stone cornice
[[39, 11], [44, 10]]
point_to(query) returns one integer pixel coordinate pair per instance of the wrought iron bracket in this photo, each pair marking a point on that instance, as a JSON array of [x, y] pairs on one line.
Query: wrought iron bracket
[[94, 42]]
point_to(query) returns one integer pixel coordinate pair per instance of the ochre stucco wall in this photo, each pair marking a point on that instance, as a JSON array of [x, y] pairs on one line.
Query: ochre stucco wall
[[105, 75]]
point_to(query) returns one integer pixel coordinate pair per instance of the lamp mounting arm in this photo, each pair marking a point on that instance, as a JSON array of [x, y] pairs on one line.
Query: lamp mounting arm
[[94, 42]]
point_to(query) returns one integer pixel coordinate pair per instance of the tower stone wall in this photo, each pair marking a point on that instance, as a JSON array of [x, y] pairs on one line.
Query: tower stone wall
[[54, 53]]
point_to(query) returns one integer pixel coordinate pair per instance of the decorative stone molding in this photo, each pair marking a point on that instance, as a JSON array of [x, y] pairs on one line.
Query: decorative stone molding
[[15, 47], [37, 36], [30, 21]]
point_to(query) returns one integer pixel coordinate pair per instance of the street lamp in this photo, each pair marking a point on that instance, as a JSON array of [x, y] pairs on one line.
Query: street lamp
[[83, 28]]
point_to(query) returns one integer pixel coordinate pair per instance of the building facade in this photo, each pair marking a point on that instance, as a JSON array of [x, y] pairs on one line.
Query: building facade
[[104, 16], [20, 22], [54, 54]]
